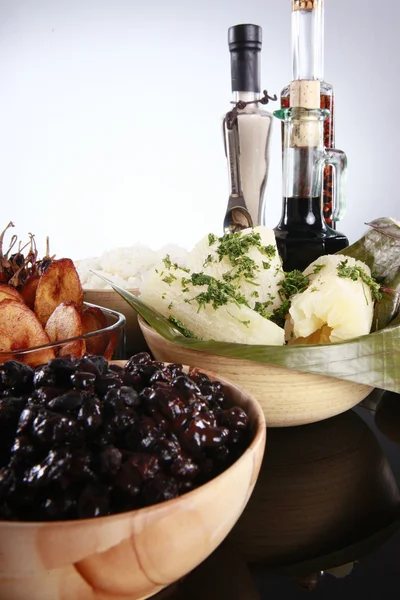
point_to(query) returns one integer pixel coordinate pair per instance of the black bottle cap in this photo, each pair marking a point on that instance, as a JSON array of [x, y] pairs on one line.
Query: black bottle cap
[[245, 43]]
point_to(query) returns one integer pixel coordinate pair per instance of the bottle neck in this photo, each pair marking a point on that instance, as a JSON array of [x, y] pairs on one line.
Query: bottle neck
[[302, 171], [246, 97], [246, 70], [308, 42]]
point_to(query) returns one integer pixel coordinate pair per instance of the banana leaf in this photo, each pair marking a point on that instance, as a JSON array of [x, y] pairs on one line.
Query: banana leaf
[[372, 359], [379, 248]]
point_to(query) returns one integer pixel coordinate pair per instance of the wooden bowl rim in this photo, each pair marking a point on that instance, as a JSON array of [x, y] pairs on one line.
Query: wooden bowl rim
[[260, 431], [144, 326]]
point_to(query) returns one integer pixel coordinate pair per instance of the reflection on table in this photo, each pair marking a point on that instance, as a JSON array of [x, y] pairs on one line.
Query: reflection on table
[[326, 497]]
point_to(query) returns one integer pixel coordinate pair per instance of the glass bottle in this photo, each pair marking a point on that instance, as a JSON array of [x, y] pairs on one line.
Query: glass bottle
[[246, 131], [302, 234], [308, 64]]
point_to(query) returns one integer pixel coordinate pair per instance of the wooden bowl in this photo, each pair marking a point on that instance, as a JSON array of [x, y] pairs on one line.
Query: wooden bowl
[[135, 341], [135, 554], [322, 488], [287, 397]]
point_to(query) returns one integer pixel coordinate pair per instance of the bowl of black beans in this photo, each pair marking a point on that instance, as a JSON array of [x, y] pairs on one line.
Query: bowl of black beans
[[117, 479]]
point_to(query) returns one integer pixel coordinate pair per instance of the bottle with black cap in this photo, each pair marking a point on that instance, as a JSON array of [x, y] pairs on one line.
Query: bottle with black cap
[[247, 129]]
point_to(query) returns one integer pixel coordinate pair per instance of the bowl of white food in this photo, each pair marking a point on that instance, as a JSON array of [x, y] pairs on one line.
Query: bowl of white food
[[125, 267]]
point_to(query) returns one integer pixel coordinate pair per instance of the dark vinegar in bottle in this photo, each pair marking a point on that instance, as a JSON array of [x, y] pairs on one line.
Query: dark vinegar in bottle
[[302, 235]]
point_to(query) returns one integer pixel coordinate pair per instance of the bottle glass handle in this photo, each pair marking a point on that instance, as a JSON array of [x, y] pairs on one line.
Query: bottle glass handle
[[338, 160]]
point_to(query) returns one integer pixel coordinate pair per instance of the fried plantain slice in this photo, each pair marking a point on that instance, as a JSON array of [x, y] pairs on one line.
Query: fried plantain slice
[[93, 319], [29, 288], [64, 323], [20, 330], [112, 344], [59, 283], [8, 292]]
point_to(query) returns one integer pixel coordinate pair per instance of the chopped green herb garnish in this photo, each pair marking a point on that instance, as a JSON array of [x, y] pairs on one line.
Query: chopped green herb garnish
[[218, 293], [229, 276], [294, 282], [163, 296], [357, 272], [185, 281], [245, 323], [176, 267], [212, 239], [269, 250], [266, 265], [169, 279], [254, 294], [181, 327], [314, 289], [317, 269], [167, 261], [170, 305], [235, 247], [208, 260], [279, 314], [262, 309]]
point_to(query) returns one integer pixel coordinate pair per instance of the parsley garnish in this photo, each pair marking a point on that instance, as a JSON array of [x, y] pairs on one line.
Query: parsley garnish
[[293, 283], [262, 309], [268, 250], [317, 269], [235, 247], [212, 239], [245, 323], [169, 279], [266, 265], [208, 260], [167, 261], [218, 293], [355, 273]]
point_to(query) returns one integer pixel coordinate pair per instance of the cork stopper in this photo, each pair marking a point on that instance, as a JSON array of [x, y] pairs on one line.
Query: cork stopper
[[305, 93], [304, 5]]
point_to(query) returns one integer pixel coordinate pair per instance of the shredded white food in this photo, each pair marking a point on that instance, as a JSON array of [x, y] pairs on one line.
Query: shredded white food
[[126, 267]]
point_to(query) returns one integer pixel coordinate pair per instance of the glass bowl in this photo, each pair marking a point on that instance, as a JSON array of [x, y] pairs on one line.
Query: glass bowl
[[110, 299], [108, 342]]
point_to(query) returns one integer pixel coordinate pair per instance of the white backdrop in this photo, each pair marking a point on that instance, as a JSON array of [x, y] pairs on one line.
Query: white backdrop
[[110, 114]]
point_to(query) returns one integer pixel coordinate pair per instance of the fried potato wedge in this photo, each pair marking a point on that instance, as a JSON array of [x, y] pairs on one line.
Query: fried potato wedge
[[93, 319], [19, 330], [8, 292], [112, 344], [64, 323], [28, 291], [59, 283]]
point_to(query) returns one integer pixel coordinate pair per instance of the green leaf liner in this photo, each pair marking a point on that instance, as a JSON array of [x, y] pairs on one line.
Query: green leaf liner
[[372, 359], [379, 248]]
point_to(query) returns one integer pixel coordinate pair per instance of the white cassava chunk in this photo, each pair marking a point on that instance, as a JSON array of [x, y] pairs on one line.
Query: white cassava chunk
[[170, 292], [338, 306], [235, 254]]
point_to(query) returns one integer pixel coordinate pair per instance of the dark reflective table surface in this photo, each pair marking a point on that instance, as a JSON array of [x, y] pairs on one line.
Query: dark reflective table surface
[[324, 518]]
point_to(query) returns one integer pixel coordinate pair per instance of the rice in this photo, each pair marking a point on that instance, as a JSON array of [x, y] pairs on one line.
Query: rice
[[126, 267]]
